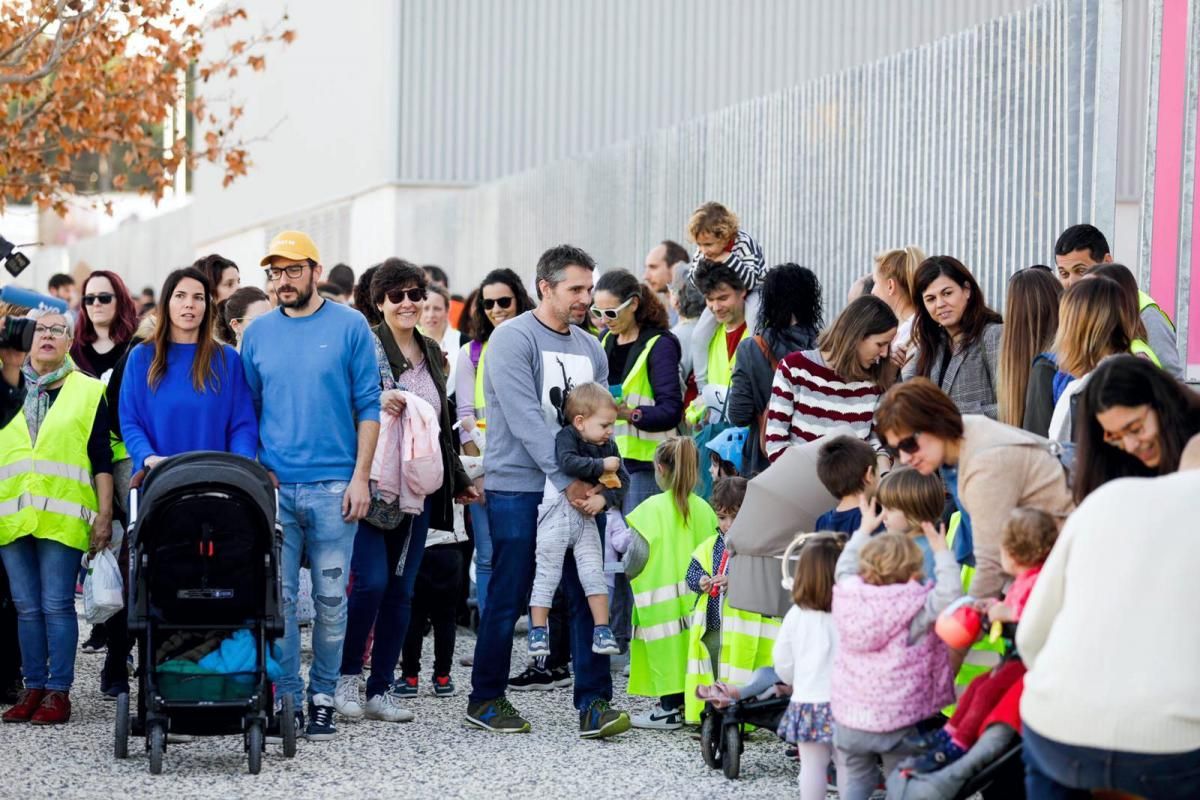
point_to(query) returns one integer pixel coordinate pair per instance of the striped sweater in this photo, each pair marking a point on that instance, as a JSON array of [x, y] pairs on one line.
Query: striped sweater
[[745, 259], [809, 400]]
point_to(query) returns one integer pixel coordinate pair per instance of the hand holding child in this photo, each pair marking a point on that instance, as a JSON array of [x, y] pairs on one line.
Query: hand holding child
[[935, 536]]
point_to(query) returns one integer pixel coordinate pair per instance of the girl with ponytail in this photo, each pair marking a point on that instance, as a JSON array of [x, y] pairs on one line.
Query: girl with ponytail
[[895, 276]]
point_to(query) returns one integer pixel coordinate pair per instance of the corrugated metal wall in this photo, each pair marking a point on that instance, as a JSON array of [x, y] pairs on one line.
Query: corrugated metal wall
[[984, 144], [494, 87]]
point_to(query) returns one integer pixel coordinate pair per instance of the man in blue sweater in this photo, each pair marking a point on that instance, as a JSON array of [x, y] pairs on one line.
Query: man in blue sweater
[[533, 362], [314, 377]]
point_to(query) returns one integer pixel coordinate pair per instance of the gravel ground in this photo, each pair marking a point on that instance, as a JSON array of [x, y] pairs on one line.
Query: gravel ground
[[435, 756]]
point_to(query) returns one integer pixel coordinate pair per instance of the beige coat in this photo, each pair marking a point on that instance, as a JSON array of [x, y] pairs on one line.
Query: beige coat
[[1001, 468]]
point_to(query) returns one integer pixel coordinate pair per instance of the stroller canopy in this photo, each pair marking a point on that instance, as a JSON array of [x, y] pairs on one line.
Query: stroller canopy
[[212, 469]]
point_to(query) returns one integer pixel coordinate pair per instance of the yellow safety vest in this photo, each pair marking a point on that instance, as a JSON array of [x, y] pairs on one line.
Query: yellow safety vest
[[747, 643], [662, 601], [636, 390], [1139, 347], [720, 365], [984, 654], [480, 401], [1146, 301], [46, 488]]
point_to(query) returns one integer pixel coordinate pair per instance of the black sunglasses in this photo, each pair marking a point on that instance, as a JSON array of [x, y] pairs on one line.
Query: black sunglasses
[[397, 296], [908, 444], [104, 298], [503, 302]]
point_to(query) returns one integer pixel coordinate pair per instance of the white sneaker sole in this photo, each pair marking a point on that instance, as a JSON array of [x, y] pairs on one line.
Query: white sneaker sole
[[656, 725], [607, 651], [349, 710]]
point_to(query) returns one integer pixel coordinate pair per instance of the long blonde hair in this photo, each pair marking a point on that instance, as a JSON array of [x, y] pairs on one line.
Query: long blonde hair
[[900, 265], [680, 462], [1030, 322]]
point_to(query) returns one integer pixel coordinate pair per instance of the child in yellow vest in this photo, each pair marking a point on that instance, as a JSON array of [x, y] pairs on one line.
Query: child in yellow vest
[[665, 529]]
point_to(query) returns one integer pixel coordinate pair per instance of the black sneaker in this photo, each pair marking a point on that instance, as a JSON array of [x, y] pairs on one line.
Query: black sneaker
[[497, 716], [320, 719], [97, 641], [562, 677], [601, 720], [533, 679]]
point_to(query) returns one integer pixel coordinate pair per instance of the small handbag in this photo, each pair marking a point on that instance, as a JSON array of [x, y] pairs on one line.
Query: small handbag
[[382, 514]]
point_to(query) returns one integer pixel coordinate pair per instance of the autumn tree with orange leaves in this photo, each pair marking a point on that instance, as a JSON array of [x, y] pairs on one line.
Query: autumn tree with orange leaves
[[81, 78]]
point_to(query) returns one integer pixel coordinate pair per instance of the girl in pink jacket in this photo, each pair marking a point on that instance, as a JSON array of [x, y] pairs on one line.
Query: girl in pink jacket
[[891, 671]]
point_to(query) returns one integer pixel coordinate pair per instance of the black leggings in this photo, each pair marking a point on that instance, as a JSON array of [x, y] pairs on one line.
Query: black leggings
[[435, 598]]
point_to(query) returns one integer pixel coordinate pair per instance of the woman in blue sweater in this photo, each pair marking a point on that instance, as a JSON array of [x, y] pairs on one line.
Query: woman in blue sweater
[[183, 390]]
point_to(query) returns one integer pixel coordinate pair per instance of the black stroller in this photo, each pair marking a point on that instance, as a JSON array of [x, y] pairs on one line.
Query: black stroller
[[204, 563], [722, 731]]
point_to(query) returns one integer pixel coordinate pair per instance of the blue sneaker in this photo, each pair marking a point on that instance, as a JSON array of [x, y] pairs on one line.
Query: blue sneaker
[[603, 641], [539, 642], [406, 687]]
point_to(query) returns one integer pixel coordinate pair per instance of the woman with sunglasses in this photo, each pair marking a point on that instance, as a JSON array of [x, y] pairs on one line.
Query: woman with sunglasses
[[989, 469], [1135, 421], [106, 324], [500, 297], [381, 596]]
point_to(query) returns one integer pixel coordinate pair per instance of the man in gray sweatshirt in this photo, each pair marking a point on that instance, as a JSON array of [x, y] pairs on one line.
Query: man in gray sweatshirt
[[533, 362]]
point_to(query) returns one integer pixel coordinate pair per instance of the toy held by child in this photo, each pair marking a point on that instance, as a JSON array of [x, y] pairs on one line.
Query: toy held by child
[[585, 450], [890, 671], [846, 467], [909, 500], [1029, 535]]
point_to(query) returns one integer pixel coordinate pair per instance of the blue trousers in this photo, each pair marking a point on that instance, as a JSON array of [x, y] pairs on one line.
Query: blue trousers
[[41, 577]]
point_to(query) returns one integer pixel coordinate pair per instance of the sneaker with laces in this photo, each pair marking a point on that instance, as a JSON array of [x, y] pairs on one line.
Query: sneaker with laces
[[497, 716], [28, 702], [386, 707], [533, 679], [659, 719], [406, 686], [443, 686], [600, 719], [603, 641], [346, 699], [54, 710], [539, 641], [320, 719]]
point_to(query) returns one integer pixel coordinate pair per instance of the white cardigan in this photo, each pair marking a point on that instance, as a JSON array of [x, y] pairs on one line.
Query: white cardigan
[[1109, 632]]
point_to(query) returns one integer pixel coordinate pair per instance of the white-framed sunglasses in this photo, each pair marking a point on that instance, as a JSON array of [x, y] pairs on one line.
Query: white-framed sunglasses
[[611, 313]]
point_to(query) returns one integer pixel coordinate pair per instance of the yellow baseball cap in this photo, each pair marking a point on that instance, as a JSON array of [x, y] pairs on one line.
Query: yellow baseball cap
[[294, 245]]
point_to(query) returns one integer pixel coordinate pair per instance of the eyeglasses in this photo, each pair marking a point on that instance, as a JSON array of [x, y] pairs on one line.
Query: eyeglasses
[[397, 296], [292, 271], [52, 331], [103, 298], [908, 444], [611, 313], [503, 302]]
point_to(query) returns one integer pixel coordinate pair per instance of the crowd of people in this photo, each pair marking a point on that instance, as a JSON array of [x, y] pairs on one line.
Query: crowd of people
[[589, 447]]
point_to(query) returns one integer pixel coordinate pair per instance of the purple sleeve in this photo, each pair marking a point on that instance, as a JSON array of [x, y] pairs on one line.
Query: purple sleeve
[[663, 367], [464, 390]]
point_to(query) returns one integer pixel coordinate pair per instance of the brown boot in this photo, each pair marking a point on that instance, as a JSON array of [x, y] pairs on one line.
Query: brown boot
[[54, 710], [27, 703]]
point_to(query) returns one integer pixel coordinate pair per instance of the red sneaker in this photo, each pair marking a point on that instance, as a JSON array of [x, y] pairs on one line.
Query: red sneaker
[[27, 703], [54, 710]]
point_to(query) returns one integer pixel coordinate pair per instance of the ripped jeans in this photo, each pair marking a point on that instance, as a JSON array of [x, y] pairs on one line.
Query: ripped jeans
[[311, 514]]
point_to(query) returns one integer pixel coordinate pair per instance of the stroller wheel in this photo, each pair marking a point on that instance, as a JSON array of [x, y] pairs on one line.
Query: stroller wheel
[[287, 725], [121, 727], [732, 756], [254, 747], [157, 742], [710, 739]]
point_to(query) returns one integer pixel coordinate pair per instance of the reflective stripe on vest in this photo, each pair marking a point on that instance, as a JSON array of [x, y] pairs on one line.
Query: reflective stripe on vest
[[636, 390], [662, 630], [1139, 347], [662, 593], [480, 400], [46, 488], [720, 365]]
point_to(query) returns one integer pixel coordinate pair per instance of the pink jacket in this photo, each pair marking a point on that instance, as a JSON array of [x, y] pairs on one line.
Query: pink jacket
[[408, 457], [882, 681]]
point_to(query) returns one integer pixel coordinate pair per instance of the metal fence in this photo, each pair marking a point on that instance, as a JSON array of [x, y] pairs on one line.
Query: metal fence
[[985, 144]]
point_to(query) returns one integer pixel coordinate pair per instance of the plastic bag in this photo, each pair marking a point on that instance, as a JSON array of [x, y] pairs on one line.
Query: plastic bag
[[102, 588]]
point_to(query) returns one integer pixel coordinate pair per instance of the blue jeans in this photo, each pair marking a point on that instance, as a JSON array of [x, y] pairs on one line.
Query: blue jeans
[[41, 577], [311, 514], [513, 520], [483, 552], [1054, 770], [382, 598]]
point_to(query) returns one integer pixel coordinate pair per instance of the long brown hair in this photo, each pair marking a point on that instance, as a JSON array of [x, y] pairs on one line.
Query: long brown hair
[[812, 587], [1032, 320], [208, 349], [927, 332], [865, 316], [681, 467], [901, 265], [1092, 325], [1129, 291]]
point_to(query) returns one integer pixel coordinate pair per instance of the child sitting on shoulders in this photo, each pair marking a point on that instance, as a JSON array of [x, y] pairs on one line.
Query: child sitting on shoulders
[[846, 467], [804, 654], [1029, 535], [909, 500], [890, 671], [585, 450]]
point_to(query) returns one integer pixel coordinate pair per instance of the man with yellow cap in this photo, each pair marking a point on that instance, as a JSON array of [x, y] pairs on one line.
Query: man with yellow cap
[[313, 373]]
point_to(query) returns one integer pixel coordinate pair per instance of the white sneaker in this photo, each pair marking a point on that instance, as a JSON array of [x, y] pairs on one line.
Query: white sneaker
[[346, 697], [387, 708], [658, 720]]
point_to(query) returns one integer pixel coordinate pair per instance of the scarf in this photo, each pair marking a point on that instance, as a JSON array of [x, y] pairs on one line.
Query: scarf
[[37, 395]]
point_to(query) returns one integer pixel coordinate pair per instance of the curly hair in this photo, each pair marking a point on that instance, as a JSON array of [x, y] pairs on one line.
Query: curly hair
[[890, 558], [713, 218], [791, 295], [481, 326], [1029, 535]]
